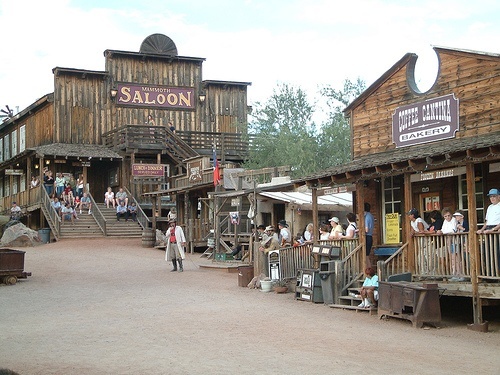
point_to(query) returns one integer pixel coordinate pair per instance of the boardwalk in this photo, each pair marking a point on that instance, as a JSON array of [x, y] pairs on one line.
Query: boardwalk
[[109, 306]]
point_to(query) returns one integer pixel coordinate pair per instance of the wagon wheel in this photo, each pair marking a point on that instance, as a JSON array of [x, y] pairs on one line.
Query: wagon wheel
[[10, 280]]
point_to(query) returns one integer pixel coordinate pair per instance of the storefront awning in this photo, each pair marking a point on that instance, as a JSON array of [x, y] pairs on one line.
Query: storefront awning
[[336, 202], [75, 150]]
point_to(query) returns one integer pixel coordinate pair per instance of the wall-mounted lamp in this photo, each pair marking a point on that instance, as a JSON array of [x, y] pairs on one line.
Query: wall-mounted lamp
[[202, 97], [37, 166], [47, 162], [113, 92]]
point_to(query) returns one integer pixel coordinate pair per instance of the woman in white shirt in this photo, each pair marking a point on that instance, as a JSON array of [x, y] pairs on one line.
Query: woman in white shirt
[[418, 225], [449, 227], [109, 197]]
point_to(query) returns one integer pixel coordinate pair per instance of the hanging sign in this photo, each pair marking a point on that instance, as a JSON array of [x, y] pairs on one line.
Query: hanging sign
[[194, 171], [424, 122], [148, 170], [234, 217], [14, 172]]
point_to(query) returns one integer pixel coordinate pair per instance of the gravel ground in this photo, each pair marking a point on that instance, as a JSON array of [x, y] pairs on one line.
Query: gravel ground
[[109, 306]]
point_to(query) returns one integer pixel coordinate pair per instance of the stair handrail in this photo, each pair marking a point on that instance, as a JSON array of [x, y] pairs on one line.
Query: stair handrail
[[53, 218], [396, 263], [350, 269], [142, 218], [179, 145], [97, 214]]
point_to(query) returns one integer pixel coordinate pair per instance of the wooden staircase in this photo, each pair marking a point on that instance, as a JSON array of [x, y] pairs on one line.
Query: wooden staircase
[[84, 227], [120, 228], [353, 299]]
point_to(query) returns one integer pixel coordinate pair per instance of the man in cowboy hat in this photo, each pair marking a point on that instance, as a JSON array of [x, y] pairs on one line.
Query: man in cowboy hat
[[285, 237], [175, 245]]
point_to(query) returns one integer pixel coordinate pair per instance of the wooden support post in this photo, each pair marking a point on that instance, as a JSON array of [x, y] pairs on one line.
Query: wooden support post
[[153, 218], [86, 188], [473, 246], [216, 226], [406, 223], [186, 215], [314, 198], [133, 187], [360, 209]]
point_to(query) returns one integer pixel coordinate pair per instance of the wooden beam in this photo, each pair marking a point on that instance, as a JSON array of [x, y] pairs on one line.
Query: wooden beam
[[479, 153], [408, 204], [400, 166], [383, 168], [368, 171], [417, 164], [473, 243]]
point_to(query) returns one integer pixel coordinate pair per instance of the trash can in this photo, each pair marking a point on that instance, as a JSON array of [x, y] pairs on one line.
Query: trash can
[[327, 286], [44, 235], [245, 275]]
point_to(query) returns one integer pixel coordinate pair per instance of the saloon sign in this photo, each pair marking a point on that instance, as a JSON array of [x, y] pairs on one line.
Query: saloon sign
[[424, 122], [155, 96]]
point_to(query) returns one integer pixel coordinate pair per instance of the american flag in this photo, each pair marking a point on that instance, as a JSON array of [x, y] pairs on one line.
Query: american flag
[[216, 168]]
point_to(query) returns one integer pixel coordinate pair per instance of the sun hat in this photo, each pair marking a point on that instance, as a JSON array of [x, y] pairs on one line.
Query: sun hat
[[270, 228], [335, 219]]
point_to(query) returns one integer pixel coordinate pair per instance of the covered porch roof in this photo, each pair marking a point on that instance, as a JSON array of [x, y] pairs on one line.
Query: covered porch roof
[[340, 202], [76, 150], [416, 158]]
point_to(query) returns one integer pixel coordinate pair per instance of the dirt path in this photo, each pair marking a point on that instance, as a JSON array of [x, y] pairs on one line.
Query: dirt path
[[112, 307]]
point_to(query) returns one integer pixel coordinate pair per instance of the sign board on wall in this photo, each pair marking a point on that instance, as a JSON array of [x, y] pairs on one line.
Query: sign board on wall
[[155, 96], [14, 172], [434, 175], [148, 170], [194, 171], [392, 234], [423, 122]]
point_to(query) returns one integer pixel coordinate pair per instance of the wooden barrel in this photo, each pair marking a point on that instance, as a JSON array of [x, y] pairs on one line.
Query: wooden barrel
[[148, 237]]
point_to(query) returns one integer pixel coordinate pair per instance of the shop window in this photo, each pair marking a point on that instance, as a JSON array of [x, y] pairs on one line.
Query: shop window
[[6, 150], [392, 193], [462, 192], [1, 150], [13, 138], [22, 138]]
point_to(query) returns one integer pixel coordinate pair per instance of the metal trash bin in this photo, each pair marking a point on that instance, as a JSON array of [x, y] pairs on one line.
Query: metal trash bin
[[245, 275], [44, 235], [327, 286]]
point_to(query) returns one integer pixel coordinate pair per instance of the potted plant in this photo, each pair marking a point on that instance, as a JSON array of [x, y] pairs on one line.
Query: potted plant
[[281, 286]]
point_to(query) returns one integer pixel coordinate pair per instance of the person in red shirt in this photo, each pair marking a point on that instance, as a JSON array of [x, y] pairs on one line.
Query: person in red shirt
[[176, 241]]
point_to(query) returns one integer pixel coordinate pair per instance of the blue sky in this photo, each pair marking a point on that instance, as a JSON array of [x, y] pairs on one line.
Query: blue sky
[[305, 43]]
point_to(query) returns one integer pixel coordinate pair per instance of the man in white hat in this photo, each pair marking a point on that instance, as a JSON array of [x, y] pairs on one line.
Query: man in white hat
[[492, 219], [175, 245], [336, 228]]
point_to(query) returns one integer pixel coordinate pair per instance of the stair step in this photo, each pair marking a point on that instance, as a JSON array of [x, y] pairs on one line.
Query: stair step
[[371, 310], [349, 300]]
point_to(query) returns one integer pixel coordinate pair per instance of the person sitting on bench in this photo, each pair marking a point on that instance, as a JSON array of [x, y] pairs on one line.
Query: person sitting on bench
[[369, 290]]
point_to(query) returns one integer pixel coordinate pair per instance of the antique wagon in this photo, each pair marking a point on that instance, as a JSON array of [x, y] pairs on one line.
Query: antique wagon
[[12, 266]]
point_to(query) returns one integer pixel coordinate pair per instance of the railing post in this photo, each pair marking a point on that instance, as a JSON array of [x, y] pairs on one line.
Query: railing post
[[339, 280]]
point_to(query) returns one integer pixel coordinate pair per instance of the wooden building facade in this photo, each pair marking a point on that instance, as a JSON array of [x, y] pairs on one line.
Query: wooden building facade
[[150, 107], [429, 150]]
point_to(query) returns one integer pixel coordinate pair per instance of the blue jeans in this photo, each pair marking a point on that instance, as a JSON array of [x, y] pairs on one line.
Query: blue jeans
[[49, 189]]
